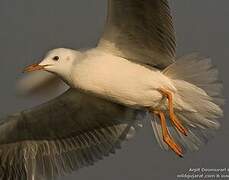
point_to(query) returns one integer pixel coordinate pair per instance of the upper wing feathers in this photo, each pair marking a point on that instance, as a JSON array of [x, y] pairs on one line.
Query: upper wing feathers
[[141, 31], [67, 133]]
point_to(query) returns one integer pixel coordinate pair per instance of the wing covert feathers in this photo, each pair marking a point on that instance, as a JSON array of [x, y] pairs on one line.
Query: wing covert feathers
[[141, 31]]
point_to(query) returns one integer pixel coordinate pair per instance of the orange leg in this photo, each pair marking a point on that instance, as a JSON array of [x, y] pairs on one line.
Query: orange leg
[[172, 115], [166, 136]]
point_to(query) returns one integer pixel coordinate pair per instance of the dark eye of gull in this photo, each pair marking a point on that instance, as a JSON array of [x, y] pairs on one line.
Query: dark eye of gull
[[56, 58]]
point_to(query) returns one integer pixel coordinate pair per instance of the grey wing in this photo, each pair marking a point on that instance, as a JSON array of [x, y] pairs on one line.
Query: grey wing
[[72, 131], [141, 31]]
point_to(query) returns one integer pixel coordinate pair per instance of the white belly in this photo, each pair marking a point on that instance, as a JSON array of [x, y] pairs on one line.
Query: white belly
[[120, 80]]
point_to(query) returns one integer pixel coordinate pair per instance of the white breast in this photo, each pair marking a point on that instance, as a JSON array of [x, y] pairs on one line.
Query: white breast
[[120, 80]]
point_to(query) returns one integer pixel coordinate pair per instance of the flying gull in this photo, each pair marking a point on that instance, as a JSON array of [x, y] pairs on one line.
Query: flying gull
[[131, 72]]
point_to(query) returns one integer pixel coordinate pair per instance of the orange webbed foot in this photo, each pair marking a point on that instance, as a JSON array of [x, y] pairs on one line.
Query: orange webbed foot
[[166, 136]]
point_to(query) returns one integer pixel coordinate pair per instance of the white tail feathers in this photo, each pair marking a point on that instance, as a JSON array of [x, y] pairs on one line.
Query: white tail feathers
[[197, 102]]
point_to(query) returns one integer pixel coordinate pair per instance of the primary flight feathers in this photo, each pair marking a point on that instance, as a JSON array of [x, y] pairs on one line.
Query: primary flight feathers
[[65, 134]]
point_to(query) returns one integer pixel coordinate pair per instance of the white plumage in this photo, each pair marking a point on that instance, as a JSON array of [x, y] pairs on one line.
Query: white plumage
[[110, 77], [137, 86]]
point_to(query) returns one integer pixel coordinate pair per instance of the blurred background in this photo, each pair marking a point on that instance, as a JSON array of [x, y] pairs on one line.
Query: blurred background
[[29, 28]]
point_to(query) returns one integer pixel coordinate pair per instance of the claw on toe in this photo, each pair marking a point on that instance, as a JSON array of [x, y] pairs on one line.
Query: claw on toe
[[175, 147], [175, 121]]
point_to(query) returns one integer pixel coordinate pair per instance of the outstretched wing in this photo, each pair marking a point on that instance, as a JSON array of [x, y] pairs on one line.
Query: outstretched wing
[[72, 131], [141, 31]]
